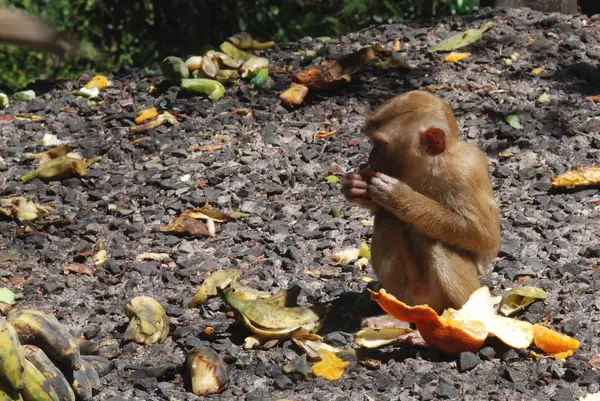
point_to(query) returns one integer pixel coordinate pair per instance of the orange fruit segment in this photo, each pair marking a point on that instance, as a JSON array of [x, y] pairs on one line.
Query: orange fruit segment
[[553, 342]]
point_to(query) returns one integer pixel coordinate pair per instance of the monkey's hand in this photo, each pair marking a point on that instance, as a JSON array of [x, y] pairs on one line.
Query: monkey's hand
[[355, 189], [388, 192]]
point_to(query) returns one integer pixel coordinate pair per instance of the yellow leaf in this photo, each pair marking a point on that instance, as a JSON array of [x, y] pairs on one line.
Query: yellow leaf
[[454, 57]]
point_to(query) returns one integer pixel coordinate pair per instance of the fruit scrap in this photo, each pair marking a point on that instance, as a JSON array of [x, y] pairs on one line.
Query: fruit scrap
[[162, 118], [454, 57], [208, 289], [466, 329], [148, 321], [462, 39], [98, 81], [269, 319], [186, 224], [294, 95], [64, 166], [22, 209], [330, 367], [146, 114], [174, 69], [553, 342], [214, 89], [244, 41], [583, 176], [208, 372]]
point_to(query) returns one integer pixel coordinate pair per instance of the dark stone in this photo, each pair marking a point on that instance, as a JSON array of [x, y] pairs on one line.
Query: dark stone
[[467, 361]]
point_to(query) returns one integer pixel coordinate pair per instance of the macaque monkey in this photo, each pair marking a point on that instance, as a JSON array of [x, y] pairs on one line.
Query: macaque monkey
[[20, 29], [437, 226]]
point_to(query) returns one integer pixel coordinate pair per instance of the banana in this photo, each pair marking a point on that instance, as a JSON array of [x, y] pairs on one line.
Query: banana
[[148, 321], [12, 358], [8, 394], [82, 385], [92, 375], [37, 388], [45, 331], [101, 365], [52, 374]]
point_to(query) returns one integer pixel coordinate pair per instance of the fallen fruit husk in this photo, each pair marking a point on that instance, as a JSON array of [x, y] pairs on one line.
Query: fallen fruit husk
[[174, 69], [273, 321], [376, 338], [64, 166], [553, 342], [214, 89], [208, 289], [466, 329], [519, 298], [160, 120], [98, 81], [260, 78], [236, 54], [252, 65], [454, 57], [22, 209], [148, 321], [190, 226], [330, 367], [146, 114], [583, 176], [462, 39], [294, 95], [244, 41], [208, 372]]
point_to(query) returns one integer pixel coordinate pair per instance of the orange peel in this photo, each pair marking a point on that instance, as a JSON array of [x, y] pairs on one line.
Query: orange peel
[[553, 342], [444, 333], [330, 367], [466, 329]]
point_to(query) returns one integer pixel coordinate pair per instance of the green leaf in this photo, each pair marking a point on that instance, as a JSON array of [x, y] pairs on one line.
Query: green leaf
[[514, 121], [519, 298], [7, 296]]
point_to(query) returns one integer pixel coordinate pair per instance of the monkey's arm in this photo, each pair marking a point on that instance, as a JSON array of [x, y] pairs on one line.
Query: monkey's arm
[[471, 230]]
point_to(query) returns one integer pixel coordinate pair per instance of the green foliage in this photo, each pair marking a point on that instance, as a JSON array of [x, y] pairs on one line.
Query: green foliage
[[142, 31]]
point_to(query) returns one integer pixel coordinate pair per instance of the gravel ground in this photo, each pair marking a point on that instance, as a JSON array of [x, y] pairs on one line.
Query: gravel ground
[[274, 169]]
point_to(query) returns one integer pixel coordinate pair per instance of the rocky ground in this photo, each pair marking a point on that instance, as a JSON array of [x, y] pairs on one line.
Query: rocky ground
[[274, 169]]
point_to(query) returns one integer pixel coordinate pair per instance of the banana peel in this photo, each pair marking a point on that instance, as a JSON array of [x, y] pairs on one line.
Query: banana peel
[[61, 167], [207, 370], [273, 321], [148, 321], [208, 289]]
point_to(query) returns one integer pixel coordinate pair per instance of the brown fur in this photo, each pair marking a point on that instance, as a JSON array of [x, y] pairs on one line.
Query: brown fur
[[437, 227], [20, 29]]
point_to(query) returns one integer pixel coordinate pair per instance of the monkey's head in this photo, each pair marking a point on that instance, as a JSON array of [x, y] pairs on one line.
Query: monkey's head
[[409, 130]]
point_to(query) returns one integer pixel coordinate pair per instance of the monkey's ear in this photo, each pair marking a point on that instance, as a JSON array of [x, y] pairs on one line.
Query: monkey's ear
[[433, 141]]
